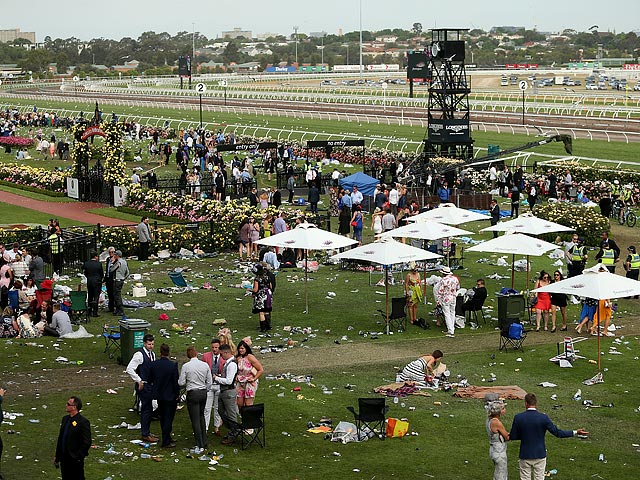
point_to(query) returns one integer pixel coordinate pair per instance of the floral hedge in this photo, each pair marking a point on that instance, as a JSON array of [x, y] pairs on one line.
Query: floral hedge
[[34, 177], [587, 222], [12, 141], [584, 173], [226, 217]]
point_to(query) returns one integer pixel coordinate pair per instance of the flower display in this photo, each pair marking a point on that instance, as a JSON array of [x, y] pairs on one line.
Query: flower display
[[34, 177], [114, 165], [12, 141], [587, 222]]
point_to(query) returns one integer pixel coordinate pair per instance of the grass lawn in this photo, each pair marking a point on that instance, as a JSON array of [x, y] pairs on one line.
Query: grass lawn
[[451, 445]]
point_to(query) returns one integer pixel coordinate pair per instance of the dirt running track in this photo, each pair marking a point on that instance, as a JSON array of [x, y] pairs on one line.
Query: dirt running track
[[71, 210]]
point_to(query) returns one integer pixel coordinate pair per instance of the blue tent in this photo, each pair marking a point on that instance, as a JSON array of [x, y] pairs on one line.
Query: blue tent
[[365, 183]]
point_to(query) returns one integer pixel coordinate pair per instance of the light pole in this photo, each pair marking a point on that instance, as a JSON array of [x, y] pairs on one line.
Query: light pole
[[295, 29], [360, 69], [193, 50], [347, 59], [322, 53], [384, 96]]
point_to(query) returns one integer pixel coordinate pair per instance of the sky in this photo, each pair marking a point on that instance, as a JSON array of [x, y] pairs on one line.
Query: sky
[[127, 18]]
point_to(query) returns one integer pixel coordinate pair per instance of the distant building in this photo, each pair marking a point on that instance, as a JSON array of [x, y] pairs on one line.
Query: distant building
[[506, 29], [317, 34], [237, 33], [127, 67], [8, 36], [264, 36]]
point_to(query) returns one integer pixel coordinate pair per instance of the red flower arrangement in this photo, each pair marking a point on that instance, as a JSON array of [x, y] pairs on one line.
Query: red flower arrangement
[[16, 141]]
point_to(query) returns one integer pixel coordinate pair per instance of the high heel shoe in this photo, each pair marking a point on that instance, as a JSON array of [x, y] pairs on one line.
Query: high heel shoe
[[553, 330], [563, 329]]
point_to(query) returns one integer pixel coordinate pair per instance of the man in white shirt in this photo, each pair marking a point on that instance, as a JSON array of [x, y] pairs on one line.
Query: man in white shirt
[[335, 177], [356, 196], [279, 225], [196, 376], [138, 369], [227, 404], [135, 178], [272, 259], [394, 196]]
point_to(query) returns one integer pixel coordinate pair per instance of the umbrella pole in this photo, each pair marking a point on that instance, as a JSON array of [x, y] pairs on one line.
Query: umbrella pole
[[527, 289], [513, 259], [386, 297], [306, 282], [424, 285], [598, 333]]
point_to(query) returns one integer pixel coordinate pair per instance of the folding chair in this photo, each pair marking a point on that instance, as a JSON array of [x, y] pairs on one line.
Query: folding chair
[[14, 303], [474, 314], [178, 280], [78, 311], [111, 335], [42, 295], [511, 337], [371, 415], [398, 315], [456, 256], [252, 426]]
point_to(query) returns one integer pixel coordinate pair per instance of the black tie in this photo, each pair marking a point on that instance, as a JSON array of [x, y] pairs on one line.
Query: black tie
[[151, 356], [214, 367]]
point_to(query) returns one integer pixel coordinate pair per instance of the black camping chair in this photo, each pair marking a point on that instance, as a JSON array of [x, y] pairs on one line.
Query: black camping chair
[[474, 306], [252, 426], [371, 414], [507, 339], [398, 314]]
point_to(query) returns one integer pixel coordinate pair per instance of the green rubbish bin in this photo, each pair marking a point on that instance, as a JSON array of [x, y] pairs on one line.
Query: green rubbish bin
[[132, 331]]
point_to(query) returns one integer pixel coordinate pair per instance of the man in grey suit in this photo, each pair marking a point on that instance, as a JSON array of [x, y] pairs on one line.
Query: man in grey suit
[[144, 238]]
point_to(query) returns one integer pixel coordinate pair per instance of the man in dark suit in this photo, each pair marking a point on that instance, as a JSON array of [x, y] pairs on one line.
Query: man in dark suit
[[94, 272], [164, 377], [314, 198], [276, 197], [476, 301], [530, 428], [109, 277], [74, 442], [494, 211]]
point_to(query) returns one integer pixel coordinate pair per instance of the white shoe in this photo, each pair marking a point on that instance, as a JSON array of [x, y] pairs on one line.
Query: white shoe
[[450, 335]]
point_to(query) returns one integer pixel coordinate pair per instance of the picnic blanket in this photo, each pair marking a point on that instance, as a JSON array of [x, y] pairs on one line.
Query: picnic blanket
[[509, 392], [402, 389]]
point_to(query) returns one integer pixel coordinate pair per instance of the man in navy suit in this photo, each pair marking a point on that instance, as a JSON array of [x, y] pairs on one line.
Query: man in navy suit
[[163, 374], [530, 428]]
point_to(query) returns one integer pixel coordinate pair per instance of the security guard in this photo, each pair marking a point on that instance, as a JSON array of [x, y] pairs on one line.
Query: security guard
[[578, 258], [609, 252], [632, 265]]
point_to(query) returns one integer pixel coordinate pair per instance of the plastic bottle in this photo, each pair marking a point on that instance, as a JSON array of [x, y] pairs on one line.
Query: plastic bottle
[[553, 472], [145, 455]]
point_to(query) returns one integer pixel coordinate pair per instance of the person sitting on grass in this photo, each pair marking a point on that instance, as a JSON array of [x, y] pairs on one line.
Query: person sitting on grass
[[421, 368]]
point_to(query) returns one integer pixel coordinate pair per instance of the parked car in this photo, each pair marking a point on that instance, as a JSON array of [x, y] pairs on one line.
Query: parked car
[[328, 82], [636, 87], [591, 86]]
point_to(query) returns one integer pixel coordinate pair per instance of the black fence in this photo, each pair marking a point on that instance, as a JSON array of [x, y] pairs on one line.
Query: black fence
[[74, 249], [233, 189]]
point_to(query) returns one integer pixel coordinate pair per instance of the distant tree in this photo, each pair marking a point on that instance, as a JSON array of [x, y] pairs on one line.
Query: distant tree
[[231, 53], [417, 28]]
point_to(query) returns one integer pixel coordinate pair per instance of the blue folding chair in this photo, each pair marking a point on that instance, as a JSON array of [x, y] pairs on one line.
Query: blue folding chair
[[178, 280]]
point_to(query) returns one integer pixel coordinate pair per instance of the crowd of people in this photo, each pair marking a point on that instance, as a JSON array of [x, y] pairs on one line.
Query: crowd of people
[[219, 382]]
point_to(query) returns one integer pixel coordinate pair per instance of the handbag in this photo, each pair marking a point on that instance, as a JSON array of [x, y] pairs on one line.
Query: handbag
[[533, 300], [354, 224]]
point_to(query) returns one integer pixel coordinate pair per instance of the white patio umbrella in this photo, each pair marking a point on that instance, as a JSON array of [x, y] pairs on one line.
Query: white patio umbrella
[[529, 224], [515, 244], [426, 230], [450, 214], [386, 252], [307, 236], [595, 282]]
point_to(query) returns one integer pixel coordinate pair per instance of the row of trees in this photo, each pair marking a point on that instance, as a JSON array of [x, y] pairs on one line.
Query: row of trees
[[158, 52]]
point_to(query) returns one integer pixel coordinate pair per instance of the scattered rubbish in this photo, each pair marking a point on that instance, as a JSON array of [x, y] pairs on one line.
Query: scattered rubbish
[[578, 395], [547, 385]]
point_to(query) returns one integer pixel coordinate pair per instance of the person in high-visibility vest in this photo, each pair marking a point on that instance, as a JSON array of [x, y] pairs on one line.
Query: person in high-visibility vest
[[632, 264], [56, 247], [609, 253], [578, 255]]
